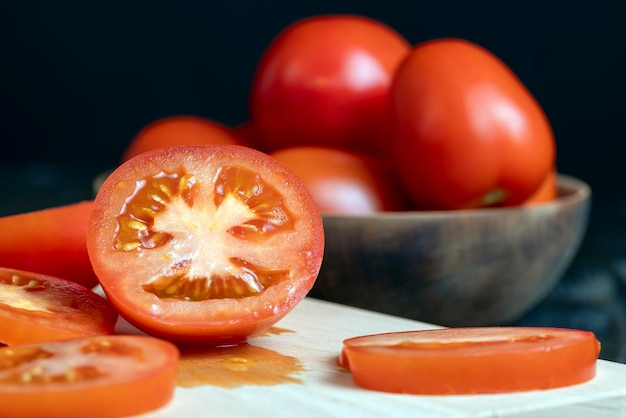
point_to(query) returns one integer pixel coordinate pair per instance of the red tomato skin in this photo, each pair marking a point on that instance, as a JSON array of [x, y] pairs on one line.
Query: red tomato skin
[[248, 135], [463, 126], [215, 322], [49, 241], [547, 191], [343, 181], [325, 81], [180, 130]]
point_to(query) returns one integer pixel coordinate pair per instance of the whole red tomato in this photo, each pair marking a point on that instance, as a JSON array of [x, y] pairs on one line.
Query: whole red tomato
[[547, 191], [325, 81], [465, 131], [180, 130], [344, 182]]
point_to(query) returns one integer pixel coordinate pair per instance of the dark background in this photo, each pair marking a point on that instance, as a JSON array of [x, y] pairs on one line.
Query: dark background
[[82, 76], [79, 79]]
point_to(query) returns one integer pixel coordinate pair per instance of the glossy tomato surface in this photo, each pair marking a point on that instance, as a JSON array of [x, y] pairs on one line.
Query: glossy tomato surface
[[465, 131], [325, 81], [49, 241], [98, 377], [471, 360], [36, 308], [205, 244], [547, 191], [344, 182], [180, 130]]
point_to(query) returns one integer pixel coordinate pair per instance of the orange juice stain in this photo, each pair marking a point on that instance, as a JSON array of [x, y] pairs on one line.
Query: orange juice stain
[[237, 365]]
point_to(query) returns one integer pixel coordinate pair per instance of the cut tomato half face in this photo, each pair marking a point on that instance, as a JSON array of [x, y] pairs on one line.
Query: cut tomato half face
[[471, 360], [36, 308], [105, 376], [205, 244]]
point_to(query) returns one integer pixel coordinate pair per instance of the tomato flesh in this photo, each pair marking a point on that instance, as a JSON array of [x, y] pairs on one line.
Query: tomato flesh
[[471, 360], [104, 376], [36, 308], [206, 244]]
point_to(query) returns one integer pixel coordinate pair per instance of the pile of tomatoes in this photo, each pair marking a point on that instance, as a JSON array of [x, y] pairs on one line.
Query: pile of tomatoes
[[372, 123], [209, 234]]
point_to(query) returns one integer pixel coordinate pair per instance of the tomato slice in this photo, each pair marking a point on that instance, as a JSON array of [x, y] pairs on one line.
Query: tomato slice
[[49, 241], [471, 360], [104, 376], [205, 244], [36, 308]]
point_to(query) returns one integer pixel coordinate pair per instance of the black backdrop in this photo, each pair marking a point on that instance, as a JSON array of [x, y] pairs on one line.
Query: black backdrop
[[79, 77]]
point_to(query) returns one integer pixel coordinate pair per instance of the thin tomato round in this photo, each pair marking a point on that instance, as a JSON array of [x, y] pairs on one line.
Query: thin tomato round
[[471, 360], [205, 244], [180, 130], [464, 131], [35, 308], [49, 241], [325, 81], [99, 377], [344, 182]]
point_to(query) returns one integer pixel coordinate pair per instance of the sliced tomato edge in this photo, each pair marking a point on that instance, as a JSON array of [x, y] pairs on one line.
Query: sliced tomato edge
[[585, 343]]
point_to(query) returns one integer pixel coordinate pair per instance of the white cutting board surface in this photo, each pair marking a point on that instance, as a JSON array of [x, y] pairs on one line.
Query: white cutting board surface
[[316, 331]]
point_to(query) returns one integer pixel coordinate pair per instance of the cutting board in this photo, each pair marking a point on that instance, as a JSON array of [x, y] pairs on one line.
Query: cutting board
[[299, 355]]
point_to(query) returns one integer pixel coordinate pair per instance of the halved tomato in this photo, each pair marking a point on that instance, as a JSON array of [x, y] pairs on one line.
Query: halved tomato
[[205, 244], [471, 360], [107, 376], [49, 241], [36, 308]]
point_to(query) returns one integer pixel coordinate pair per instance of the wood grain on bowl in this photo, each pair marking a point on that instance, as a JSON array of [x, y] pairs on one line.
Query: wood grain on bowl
[[454, 268]]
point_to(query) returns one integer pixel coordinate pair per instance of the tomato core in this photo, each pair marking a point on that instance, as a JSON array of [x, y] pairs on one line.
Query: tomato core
[[140, 227]]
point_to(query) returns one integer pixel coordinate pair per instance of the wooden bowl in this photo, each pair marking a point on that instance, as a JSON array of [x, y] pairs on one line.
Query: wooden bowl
[[454, 268]]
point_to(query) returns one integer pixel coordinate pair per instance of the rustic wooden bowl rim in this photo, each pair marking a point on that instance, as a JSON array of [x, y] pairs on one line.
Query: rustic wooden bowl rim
[[571, 191]]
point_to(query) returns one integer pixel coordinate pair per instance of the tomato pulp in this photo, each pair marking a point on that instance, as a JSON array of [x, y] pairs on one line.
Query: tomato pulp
[[471, 360], [98, 377], [205, 244]]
